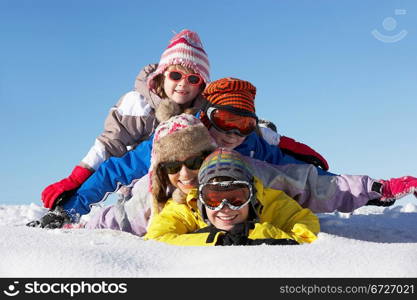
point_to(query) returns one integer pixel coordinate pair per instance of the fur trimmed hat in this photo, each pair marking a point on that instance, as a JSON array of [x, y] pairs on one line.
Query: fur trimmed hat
[[179, 137], [185, 49]]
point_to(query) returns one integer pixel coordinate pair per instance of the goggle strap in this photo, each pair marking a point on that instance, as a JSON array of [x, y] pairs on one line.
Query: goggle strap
[[205, 106], [235, 110], [255, 209]]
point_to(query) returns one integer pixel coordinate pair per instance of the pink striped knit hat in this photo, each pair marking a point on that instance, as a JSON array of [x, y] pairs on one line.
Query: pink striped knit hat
[[185, 49]]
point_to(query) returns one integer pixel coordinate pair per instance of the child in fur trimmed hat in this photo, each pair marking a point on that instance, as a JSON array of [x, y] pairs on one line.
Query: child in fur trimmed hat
[[176, 82], [179, 147], [232, 207]]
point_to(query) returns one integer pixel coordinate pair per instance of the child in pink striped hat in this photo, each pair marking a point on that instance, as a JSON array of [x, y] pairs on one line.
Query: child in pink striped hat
[[176, 84], [185, 51]]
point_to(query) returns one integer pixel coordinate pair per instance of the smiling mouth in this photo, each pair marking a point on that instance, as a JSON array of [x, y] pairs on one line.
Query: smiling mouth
[[182, 92], [188, 183], [227, 218]]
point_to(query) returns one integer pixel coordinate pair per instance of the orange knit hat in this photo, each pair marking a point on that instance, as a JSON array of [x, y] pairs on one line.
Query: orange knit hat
[[232, 94]]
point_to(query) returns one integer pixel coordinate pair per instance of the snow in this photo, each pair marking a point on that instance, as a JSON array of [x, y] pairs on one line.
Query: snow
[[370, 242]]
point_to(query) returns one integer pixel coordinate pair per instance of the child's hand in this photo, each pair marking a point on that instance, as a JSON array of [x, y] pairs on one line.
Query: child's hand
[[52, 192], [53, 219], [396, 188]]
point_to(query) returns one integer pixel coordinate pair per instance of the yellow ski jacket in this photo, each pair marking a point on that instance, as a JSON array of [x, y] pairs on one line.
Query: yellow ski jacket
[[280, 217]]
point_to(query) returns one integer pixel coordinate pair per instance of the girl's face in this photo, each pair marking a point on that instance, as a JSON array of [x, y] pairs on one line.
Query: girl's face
[[226, 218], [185, 179], [226, 140], [181, 92]]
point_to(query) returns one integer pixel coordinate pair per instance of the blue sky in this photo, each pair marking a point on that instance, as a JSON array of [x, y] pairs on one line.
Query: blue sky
[[321, 76]]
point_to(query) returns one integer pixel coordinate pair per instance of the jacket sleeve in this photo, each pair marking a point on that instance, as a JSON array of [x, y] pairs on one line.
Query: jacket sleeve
[[256, 147], [286, 218], [293, 148], [270, 136], [111, 174], [320, 193], [141, 85], [302, 152], [175, 225], [130, 216], [129, 122]]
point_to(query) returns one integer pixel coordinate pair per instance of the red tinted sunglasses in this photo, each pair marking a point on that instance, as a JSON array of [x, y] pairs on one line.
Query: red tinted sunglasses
[[228, 122], [234, 194], [193, 79]]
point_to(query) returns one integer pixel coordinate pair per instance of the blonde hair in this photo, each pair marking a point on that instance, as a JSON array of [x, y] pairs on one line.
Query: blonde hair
[[160, 78]]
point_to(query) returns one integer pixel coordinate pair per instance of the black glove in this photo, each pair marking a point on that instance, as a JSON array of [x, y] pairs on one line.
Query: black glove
[[272, 242], [237, 236], [63, 198], [267, 124], [379, 202], [55, 218]]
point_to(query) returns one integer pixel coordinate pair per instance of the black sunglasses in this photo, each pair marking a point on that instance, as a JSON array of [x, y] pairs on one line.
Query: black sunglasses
[[192, 163]]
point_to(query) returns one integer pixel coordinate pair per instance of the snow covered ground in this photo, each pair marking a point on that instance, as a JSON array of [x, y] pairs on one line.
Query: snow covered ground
[[371, 242]]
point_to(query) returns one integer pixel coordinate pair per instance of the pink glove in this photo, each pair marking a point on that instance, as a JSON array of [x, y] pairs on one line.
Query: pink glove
[[396, 188], [51, 192]]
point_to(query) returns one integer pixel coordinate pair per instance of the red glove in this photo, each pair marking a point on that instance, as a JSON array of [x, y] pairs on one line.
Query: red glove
[[302, 152], [51, 192], [396, 188]]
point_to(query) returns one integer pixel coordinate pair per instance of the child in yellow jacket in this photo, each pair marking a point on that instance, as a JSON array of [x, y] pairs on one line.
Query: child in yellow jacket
[[232, 207]]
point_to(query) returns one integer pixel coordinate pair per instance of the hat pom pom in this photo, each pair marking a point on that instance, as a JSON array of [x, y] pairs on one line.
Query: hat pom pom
[[190, 36]]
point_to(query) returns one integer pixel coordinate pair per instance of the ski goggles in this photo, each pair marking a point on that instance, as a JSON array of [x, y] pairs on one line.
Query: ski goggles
[[192, 163], [215, 195], [193, 79], [229, 122]]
